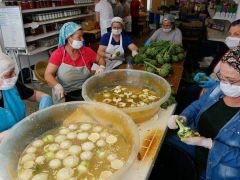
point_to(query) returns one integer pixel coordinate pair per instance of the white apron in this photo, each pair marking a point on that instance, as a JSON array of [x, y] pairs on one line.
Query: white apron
[[110, 64], [70, 77]]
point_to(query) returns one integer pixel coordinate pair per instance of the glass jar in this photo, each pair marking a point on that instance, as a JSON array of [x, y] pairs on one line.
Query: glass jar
[[31, 4]]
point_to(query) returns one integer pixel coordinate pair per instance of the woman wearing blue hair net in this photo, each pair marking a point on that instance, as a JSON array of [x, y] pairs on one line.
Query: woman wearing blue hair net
[[70, 65], [12, 107]]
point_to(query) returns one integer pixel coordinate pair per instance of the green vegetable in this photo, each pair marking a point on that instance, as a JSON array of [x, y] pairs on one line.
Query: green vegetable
[[49, 156], [171, 100], [164, 71], [174, 58], [181, 56], [184, 131], [160, 59], [48, 139]]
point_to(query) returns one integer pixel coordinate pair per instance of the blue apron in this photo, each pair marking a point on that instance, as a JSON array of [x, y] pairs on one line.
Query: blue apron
[[14, 109]]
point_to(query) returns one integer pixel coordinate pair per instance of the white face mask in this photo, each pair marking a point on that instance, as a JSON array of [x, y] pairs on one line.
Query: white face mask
[[116, 31], [232, 42], [166, 30], [76, 44], [230, 90], [8, 83]]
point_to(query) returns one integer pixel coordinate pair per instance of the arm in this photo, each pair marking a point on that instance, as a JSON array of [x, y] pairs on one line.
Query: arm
[[37, 96], [101, 60], [178, 37], [97, 14], [154, 37], [132, 47], [101, 51], [50, 74]]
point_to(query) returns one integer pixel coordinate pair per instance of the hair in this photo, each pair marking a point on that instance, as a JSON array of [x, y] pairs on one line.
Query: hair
[[235, 23]]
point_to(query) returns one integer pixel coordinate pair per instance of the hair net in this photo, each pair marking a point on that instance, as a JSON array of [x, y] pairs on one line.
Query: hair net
[[169, 17], [232, 57], [67, 30], [117, 20], [6, 63]]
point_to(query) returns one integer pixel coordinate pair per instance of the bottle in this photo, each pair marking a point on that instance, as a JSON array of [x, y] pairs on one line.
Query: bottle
[[129, 64]]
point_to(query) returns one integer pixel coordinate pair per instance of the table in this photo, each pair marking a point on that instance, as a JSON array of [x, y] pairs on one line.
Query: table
[[152, 132]]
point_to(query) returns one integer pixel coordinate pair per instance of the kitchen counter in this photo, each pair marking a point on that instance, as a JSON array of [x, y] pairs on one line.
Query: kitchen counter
[[152, 134]]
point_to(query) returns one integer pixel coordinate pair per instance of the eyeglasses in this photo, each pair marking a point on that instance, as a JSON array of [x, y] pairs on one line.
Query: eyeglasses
[[221, 78]]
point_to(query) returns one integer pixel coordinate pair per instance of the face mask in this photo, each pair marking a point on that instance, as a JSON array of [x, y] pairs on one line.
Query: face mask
[[166, 30], [230, 90], [76, 44], [232, 42], [116, 31], [8, 83]]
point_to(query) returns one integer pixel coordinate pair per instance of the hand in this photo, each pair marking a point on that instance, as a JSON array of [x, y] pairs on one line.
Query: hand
[[172, 121], [207, 83], [199, 141], [3, 135], [108, 56], [147, 43], [58, 92], [134, 53], [198, 76], [100, 69], [45, 102]]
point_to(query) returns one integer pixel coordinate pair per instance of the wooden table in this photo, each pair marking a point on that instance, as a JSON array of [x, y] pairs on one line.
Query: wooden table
[[174, 79]]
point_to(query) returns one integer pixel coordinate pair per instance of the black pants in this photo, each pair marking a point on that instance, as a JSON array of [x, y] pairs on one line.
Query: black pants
[[135, 28], [74, 96]]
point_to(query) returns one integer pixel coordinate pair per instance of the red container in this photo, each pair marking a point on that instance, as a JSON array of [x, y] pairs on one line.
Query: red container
[[66, 2]]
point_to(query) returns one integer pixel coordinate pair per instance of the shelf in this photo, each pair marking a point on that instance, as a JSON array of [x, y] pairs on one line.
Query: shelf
[[41, 36], [223, 18], [28, 25], [56, 8], [40, 49]]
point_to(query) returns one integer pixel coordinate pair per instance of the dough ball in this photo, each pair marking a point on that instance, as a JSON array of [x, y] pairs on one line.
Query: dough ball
[[41, 176], [71, 161], [94, 137], [85, 127], [55, 164], [38, 143], [65, 173], [101, 143], [73, 127], [111, 139], [86, 155], [71, 135], [82, 136], [26, 174], [65, 144], [60, 138], [75, 149], [61, 154], [40, 160], [116, 164], [53, 147], [88, 146], [64, 131], [31, 150]]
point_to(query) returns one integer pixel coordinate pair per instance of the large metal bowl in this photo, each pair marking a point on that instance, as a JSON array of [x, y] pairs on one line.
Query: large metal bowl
[[134, 78], [38, 123]]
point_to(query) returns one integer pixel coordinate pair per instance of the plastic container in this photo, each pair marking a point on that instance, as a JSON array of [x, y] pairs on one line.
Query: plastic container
[[41, 121], [133, 78]]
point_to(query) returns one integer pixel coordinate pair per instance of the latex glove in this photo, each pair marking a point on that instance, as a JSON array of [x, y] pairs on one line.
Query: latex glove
[[3, 135], [45, 102], [208, 83], [100, 69], [147, 43], [171, 123], [58, 92], [134, 53], [199, 141], [198, 76]]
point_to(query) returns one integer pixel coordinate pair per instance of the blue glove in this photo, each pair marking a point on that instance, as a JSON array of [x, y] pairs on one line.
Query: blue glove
[[147, 43], [45, 102], [207, 83], [198, 76]]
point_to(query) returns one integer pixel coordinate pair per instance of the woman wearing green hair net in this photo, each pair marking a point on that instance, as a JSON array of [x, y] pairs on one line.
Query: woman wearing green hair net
[[70, 65]]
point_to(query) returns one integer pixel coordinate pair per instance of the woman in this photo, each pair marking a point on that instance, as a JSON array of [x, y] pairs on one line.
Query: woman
[[216, 117], [127, 16], [118, 10], [104, 14], [70, 65], [115, 42], [12, 93], [168, 32]]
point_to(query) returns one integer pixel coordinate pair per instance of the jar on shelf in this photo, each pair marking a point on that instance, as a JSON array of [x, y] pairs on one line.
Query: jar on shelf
[[37, 4], [31, 4]]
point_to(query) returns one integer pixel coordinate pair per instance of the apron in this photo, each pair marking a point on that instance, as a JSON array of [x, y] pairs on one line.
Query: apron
[[111, 64], [70, 77], [14, 109]]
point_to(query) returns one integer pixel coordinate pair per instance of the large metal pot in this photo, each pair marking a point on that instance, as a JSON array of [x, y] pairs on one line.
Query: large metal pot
[[36, 124]]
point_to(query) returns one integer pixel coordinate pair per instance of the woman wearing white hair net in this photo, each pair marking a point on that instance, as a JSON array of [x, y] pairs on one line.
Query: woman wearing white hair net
[[12, 93], [168, 32], [114, 44]]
